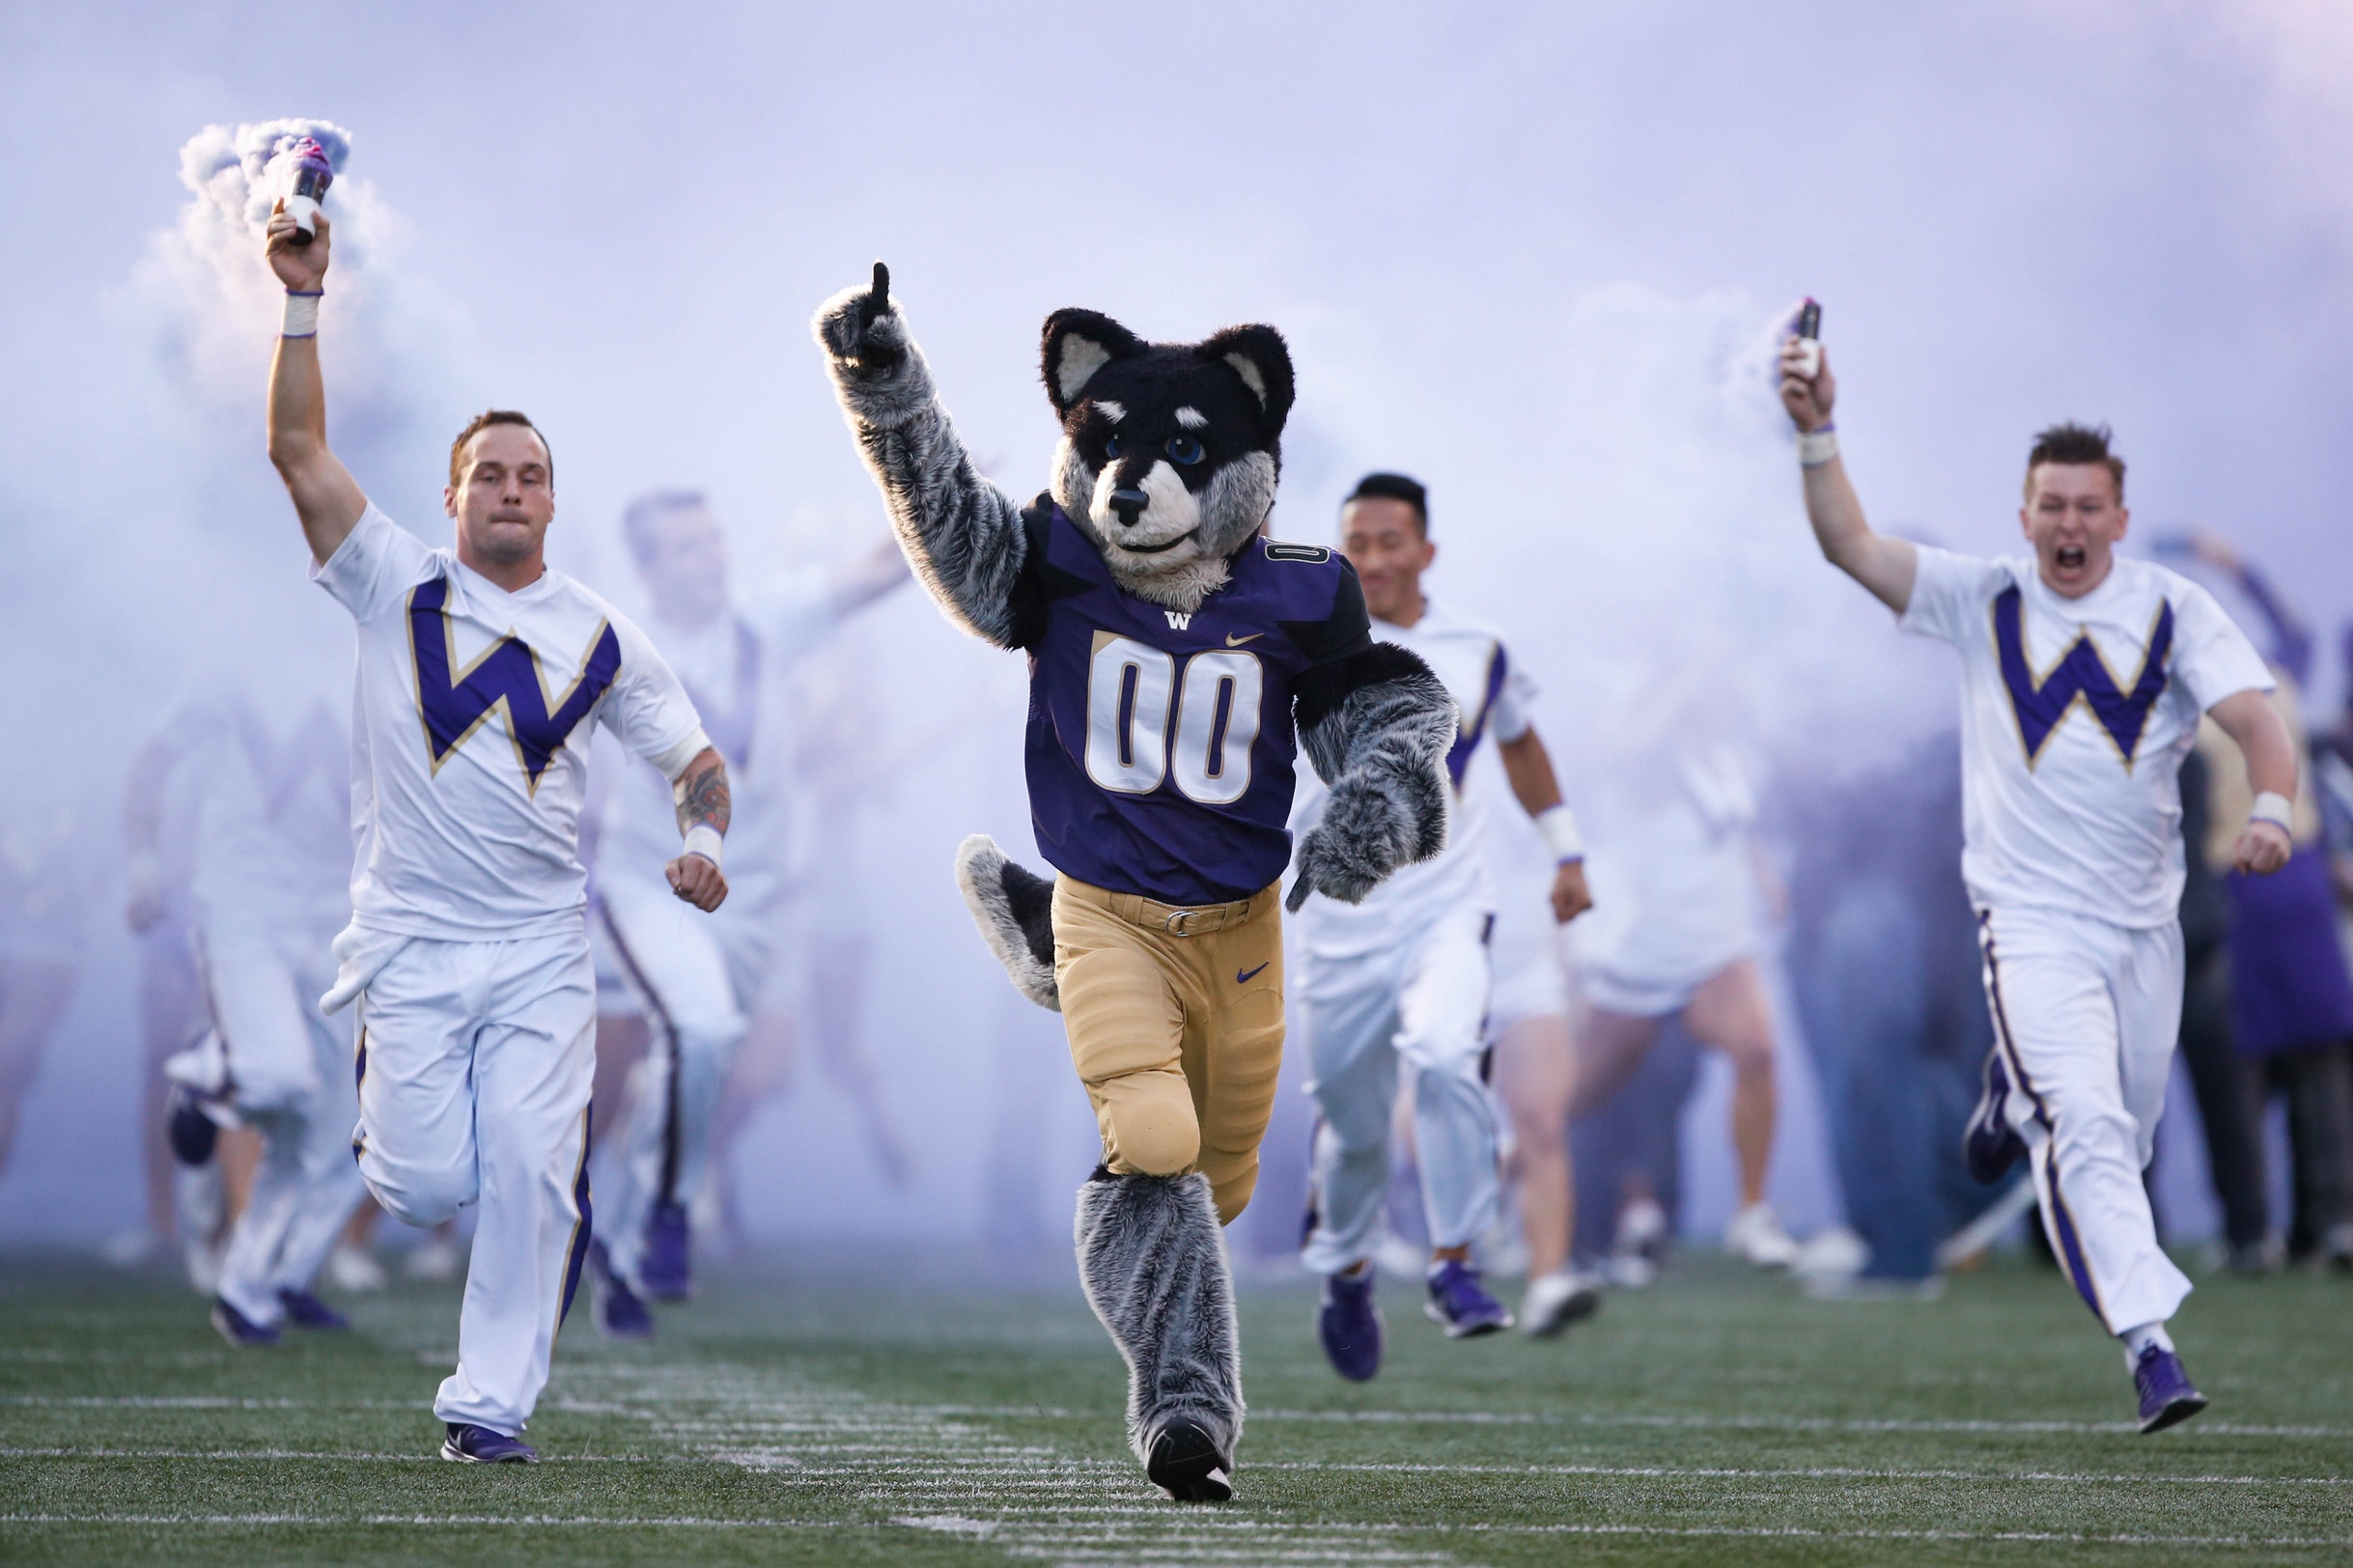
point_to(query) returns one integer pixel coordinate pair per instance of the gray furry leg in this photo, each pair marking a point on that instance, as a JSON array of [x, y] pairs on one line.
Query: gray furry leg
[[1152, 1257], [1014, 909]]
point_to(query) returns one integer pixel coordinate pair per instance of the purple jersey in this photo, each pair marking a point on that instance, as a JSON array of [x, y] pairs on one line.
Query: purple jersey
[[1160, 743]]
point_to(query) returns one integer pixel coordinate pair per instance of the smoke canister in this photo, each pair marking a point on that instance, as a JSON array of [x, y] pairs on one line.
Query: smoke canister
[[313, 174], [1810, 339]]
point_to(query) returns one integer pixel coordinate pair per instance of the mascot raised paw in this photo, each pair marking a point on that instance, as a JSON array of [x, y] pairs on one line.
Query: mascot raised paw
[[1179, 659]]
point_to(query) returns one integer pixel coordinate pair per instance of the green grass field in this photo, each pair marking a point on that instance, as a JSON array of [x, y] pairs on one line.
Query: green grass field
[[1718, 1418]]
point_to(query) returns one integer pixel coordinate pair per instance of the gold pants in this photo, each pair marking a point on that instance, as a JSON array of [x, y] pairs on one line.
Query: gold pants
[[1176, 1026]]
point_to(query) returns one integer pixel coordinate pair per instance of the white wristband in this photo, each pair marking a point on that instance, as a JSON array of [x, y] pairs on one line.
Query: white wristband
[[1816, 447], [1558, 826], [301, 314], [2276, 809], [704, 840]]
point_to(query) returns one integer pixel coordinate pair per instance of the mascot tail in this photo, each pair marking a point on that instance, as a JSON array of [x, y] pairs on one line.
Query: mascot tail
[[1013, 908], [1152, 1257]]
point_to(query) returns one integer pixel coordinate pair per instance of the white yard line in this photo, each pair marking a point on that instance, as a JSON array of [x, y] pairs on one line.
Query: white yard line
[[1456, 1417], [1046, 1477], [1756, 1424], [1816, 1473], [1120, 1545]]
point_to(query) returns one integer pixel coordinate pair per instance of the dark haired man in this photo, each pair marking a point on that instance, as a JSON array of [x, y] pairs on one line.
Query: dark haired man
[[2082, 676], [1404, 976], [697, 985], [481, 675]]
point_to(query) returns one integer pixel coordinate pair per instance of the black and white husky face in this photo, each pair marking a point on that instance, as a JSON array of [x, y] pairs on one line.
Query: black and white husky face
[[1169, 451]]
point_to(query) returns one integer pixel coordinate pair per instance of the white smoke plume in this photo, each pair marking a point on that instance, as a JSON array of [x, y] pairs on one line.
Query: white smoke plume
[[208, 305]]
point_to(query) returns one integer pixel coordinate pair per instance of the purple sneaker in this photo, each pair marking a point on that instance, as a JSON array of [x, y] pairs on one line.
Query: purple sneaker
[[620, 1312], [667, 1273], [2167, 1397], [1459, 1304], [307, 1311], [240, 1330], [1989, 1145], [1349, 1325], [471, 1445]]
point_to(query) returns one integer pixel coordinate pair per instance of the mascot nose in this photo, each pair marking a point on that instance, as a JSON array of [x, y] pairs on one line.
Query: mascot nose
[[1130, 504]]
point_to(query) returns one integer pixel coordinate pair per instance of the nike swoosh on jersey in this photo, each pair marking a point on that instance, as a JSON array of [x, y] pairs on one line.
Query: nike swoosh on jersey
[[1232, 641], [1244, 978]]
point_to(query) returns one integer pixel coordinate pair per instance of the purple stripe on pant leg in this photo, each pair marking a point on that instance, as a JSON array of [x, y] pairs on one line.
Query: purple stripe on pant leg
[[2070, 1247], [582, 1228], [635, 974]]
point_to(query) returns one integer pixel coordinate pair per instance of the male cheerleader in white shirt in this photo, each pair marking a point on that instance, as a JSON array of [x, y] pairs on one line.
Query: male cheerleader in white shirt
[[2083, 675], [698, 983], [1404, 976], [269, 846], [481, 676]]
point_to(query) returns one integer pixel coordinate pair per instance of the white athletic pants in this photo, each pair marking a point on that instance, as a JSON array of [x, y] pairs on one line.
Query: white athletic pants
[[675, 963], [290, 1079], [476, 1061], [1422, 1002], [2086, 1014]]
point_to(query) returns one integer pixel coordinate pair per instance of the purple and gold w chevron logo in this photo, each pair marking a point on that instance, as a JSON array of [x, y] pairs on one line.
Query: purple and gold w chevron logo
[[507, 673], [2082, 676]]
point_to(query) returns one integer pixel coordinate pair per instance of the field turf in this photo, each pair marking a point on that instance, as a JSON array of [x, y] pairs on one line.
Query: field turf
[[1718, 1418]]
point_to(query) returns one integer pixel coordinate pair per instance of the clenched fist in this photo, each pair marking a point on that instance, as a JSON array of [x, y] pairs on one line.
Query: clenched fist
[[698, 880], [1807, 398], [301, 268], [2263, 848]]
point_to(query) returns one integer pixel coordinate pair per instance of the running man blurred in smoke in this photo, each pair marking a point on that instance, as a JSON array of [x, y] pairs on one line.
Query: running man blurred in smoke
[[1683, 879], [2083, 677], [482, 676], [269, 855], [1402, 977], [698, 985]]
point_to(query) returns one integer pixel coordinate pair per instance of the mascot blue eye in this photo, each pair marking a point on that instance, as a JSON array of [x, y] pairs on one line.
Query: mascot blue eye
[[1185, 449], [1112, 447]]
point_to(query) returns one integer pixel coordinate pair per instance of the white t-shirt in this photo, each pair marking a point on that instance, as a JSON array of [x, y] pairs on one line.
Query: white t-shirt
[[469, 736], [2075, 716], [1496, 698], [733, 669], [1672, 869]]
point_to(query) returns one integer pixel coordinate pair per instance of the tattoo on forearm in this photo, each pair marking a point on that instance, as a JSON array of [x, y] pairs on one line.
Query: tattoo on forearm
[[703, 797]]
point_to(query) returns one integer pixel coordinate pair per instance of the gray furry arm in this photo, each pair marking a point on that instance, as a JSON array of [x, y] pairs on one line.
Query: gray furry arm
[[963, 536], [1376, 728]]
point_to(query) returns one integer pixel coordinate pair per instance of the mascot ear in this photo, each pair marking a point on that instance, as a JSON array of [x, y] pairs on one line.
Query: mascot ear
[[1079, 342], [1259, 356]]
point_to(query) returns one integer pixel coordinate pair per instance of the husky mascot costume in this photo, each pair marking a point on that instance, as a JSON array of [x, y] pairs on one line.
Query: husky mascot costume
[[1178, 659]]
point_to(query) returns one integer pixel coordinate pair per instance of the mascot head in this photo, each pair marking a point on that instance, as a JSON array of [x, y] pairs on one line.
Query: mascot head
[[1169, 450]]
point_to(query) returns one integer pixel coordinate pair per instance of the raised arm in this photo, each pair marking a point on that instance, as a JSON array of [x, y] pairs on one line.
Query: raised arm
[[2262, 734], [1528, 768], [862, 579], [2291, 638], [327, 498], [1884, 565], [963, 535], [1376, 725]]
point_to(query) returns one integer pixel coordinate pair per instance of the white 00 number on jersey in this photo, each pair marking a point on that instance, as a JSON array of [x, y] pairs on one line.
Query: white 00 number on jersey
[[1132, 693]]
